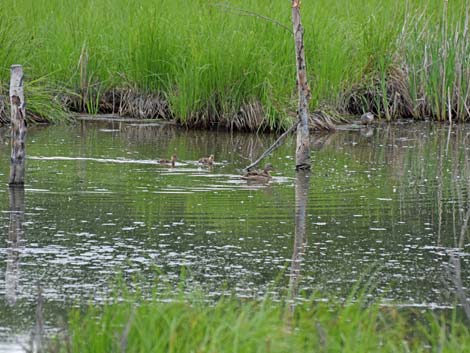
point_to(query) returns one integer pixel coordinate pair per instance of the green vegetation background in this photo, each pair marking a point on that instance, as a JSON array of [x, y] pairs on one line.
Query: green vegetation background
[[212, 60]]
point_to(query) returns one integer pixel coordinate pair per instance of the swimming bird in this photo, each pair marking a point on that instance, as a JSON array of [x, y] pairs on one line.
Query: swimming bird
[[207, 160], [171, 161], [367, 118], [262, 176]]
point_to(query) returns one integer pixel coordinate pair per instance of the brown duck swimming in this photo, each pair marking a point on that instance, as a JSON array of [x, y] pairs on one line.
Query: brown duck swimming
[[171, 161], [367, 118], [207, 160], [262, 176]]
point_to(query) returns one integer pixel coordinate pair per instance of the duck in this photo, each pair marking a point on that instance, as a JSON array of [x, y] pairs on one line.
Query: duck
[[367, 118], [207, 160], [171, 161], [259, 176]]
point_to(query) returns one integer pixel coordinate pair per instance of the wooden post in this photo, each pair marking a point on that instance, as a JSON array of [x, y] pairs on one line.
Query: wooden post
[[302, 155], [18, 126]]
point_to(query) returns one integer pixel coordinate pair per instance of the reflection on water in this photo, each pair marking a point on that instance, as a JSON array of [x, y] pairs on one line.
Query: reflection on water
[[95, 203], [302, 185], [15, 237]]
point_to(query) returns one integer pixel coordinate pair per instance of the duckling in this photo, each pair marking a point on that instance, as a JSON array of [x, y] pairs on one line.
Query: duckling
[[259, 176], [171, 161], [207, 160]]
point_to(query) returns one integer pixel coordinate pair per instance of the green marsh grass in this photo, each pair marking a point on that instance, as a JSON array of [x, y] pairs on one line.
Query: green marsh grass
[[194, 323], [214, 64]]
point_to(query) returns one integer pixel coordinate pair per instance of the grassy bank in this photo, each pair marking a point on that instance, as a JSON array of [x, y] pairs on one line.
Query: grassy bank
[[204, 63], [233, 325]]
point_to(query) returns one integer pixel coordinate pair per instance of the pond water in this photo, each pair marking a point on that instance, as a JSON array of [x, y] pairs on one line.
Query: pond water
[[387, 206]]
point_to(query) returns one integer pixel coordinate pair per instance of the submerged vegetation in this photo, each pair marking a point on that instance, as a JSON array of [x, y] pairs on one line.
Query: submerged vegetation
[[208, 63], [195, 323]]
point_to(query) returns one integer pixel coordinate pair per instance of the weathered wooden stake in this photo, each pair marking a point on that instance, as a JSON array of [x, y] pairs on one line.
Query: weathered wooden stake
[[18, 126], [302, 155]]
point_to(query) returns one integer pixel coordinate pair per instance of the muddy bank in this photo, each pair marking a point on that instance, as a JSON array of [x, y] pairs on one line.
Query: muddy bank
[[132, 104], [389, 98]]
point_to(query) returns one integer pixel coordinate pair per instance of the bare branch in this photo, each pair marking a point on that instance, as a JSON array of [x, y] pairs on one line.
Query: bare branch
[[273, 146], [230, 9]]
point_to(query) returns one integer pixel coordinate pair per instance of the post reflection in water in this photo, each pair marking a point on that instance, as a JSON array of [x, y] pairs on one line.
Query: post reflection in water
[[302, 185], [461, 175], [15, 237]]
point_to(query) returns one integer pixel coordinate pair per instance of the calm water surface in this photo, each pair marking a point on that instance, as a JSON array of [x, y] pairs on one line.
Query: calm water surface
[[391, 204]]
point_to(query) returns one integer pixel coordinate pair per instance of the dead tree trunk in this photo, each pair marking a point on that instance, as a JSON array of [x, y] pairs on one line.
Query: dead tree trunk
[[18, 126], [302, 154]]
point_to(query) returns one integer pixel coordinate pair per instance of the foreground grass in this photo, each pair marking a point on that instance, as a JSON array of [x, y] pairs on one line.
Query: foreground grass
[[203, 62], [233, 325]]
